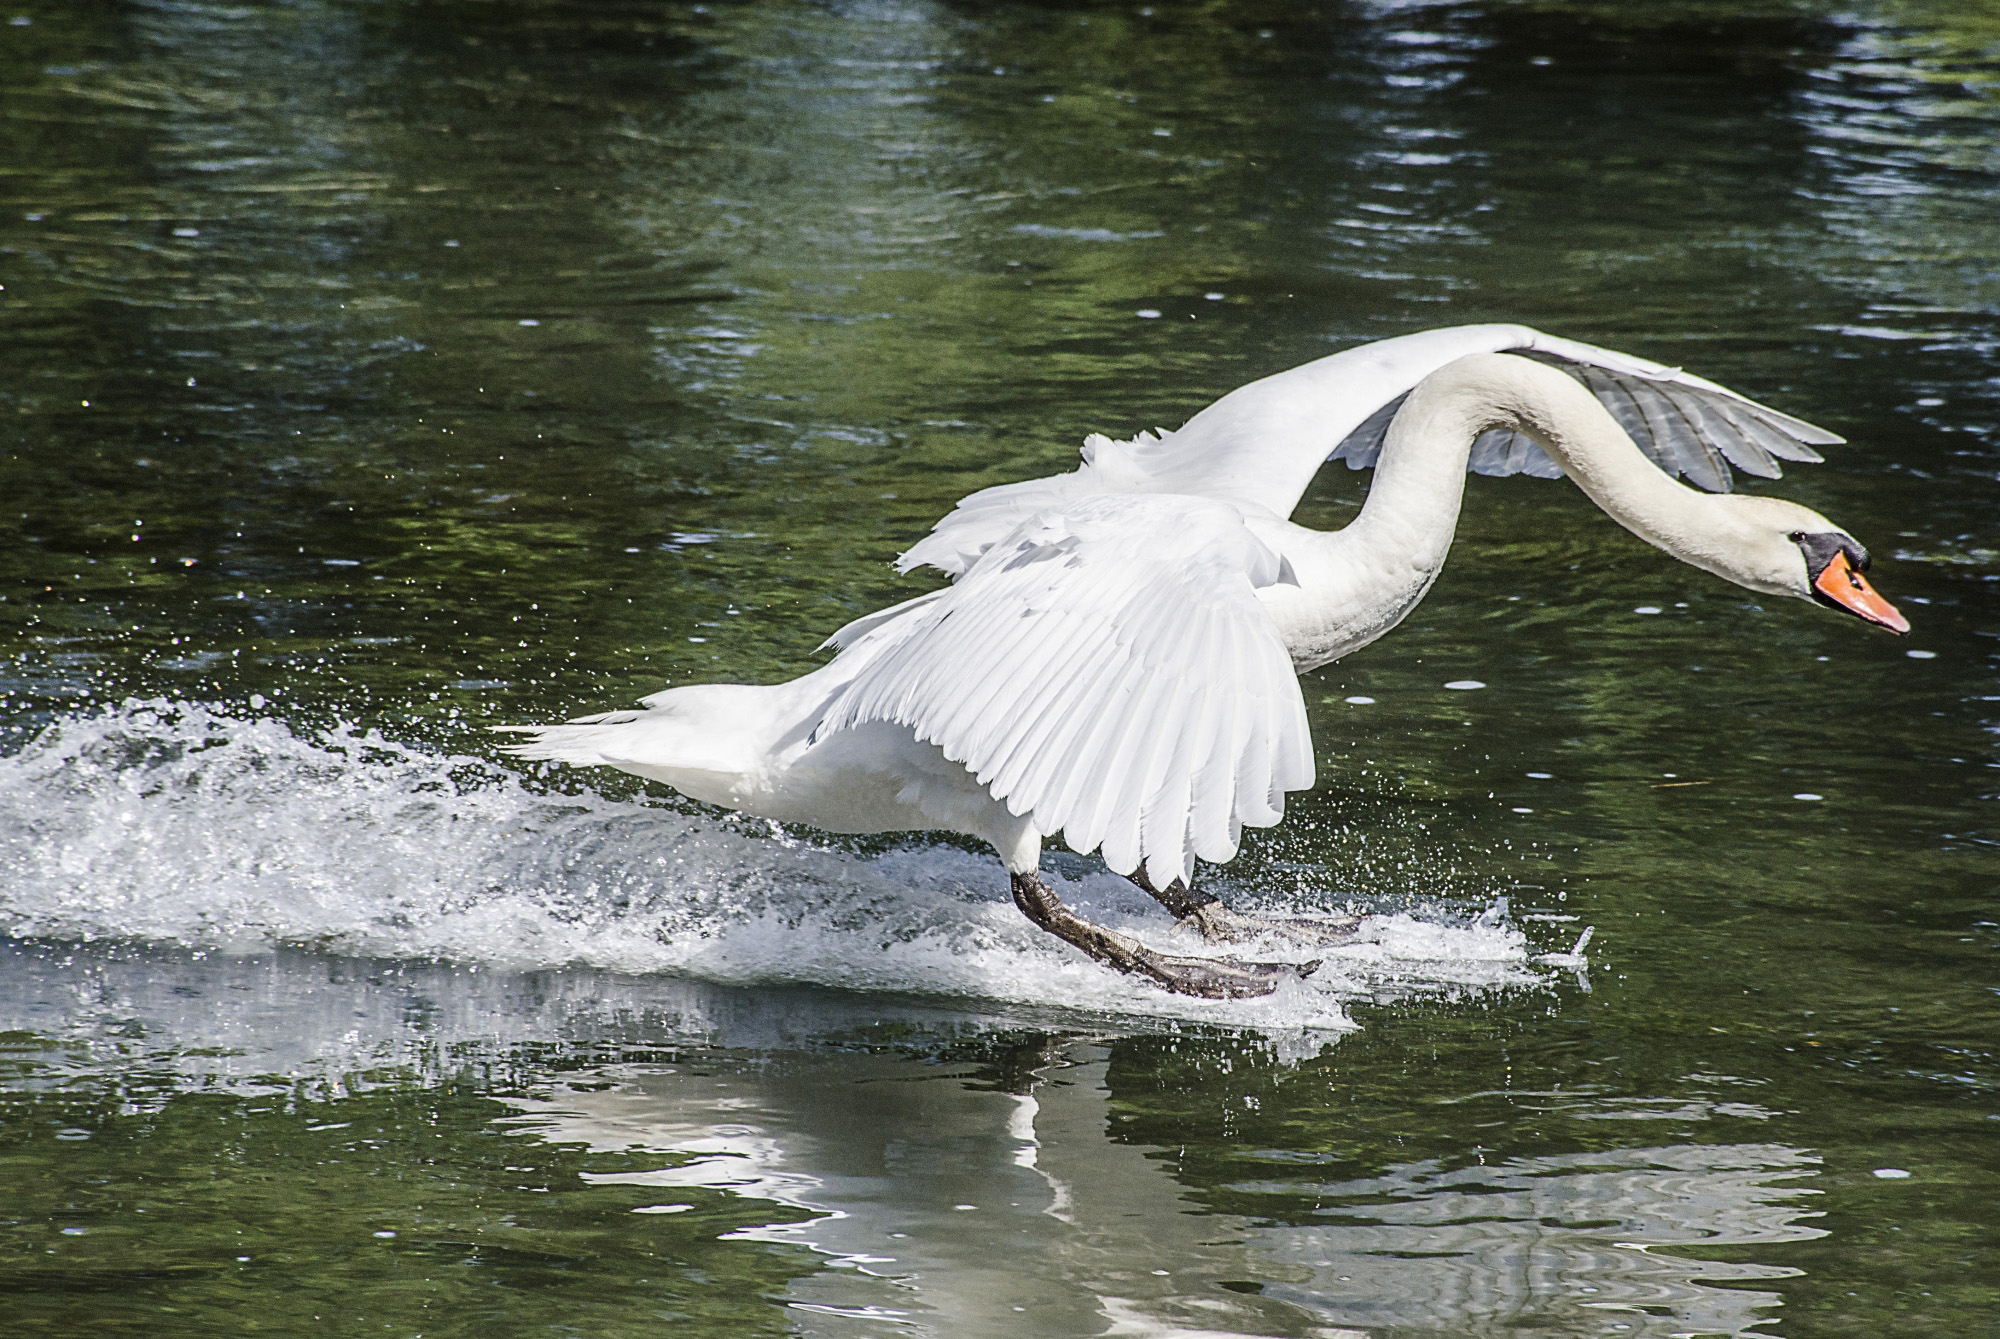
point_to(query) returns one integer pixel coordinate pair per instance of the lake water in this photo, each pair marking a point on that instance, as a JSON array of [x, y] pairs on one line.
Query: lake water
[[372, 373]]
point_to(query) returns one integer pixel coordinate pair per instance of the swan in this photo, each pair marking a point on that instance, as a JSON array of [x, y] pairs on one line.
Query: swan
[[1117, 655]]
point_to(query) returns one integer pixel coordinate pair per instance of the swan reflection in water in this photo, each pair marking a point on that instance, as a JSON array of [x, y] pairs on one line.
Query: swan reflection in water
[[906, 1169], [937, 1194]]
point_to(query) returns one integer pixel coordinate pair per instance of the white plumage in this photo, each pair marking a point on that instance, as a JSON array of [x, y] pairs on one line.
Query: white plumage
[[1108, 669]]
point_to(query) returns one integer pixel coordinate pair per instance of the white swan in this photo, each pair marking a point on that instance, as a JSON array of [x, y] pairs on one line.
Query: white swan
[[1117, 656]]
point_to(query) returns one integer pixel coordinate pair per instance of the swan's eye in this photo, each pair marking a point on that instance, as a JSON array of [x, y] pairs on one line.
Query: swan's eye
[[1797, 536]]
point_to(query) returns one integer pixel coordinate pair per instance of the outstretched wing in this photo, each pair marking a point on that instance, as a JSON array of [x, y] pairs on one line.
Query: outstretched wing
[[1109, 668], [1689, 427], [1260, 445]]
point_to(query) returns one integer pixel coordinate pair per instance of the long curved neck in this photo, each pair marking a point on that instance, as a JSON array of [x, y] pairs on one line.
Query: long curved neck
[[1359, 582], [1421, 476]]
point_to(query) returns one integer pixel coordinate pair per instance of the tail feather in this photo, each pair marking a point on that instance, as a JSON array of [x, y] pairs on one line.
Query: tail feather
[[578, 742], [713, 729]]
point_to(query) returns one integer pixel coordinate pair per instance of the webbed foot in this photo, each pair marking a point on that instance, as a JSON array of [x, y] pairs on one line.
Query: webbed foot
[[1210, 978], [1217, 924]]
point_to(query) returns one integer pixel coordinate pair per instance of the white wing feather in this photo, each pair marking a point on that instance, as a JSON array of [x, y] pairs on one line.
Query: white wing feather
[[1109, 668], [1260, 445]]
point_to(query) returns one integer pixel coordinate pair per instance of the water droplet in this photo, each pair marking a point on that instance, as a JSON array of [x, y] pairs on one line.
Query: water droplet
[[385, 1234], [1542, 776], [1647, 609], [1359, 701], [1891, 1174], [1464, 685], [1807, 795], [1921, 655], [1147, 314], [1214, 297], [528, 323]]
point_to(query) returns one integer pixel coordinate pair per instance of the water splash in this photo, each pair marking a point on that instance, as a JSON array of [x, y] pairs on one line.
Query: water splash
[[181, 823]]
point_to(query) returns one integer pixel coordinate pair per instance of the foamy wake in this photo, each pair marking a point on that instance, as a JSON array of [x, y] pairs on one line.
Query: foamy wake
[[180, 823]]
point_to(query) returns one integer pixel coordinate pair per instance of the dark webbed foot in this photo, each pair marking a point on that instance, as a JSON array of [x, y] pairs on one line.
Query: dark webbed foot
[[1211, 978], [1219, 925], [1180, 900], [1204, 914]]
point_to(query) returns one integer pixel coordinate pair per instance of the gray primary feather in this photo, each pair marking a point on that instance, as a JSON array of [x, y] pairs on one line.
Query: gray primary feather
[[1688, 431]]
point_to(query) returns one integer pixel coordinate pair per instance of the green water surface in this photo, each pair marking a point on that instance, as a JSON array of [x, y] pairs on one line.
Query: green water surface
[[420, 365]]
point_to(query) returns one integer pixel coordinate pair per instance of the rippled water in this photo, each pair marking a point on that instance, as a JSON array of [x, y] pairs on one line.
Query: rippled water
[[373, 372]]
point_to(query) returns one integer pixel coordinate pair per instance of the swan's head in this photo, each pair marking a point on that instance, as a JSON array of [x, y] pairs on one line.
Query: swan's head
[[1780, 548]]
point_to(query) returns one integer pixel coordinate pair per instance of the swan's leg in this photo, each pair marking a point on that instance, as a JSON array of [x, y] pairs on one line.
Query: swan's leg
[[1215, 978], [1180, 900], [1205, 914]]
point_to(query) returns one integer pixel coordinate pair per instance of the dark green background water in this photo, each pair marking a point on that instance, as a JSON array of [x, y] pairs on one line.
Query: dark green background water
[[410, 367]]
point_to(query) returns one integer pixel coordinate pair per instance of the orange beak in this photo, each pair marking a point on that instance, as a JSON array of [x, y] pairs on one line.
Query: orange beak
[[1844, 586]]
